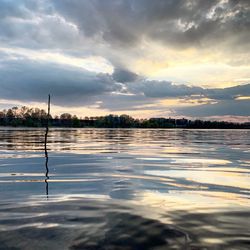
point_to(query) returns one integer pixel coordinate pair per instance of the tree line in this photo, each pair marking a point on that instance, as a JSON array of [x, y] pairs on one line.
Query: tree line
[[35, 117]]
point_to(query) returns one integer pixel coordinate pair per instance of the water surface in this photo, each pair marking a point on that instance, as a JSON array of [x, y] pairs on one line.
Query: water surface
[[125, 189]]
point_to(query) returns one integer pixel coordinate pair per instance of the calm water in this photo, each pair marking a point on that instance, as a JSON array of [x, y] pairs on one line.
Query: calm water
[[125, 189]]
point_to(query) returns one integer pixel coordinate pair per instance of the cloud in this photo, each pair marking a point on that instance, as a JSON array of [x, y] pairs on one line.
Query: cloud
[[229, 93], [177, 23], [123, 75], [126, 24], [222, 108], [166, 89], [13, 9], [34, 24], [32, 81], [163, 89]]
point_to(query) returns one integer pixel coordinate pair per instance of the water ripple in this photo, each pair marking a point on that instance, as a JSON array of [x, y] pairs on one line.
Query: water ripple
[[125, 189]]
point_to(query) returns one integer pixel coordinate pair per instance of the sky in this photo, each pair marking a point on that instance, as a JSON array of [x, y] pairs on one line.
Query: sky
[[162, 58]]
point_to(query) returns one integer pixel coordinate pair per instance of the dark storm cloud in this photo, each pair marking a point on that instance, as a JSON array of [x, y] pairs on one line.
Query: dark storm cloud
[[123, 75], [163, 89], [124, 24], [123, 102], [27, 80], [222, 108], [229, 93], [177, 23]]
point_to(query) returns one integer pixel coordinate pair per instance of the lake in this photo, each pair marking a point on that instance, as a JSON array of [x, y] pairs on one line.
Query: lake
[[124, 189]]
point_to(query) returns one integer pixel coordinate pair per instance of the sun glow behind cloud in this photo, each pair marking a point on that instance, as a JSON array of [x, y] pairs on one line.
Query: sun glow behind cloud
[[206, 67]]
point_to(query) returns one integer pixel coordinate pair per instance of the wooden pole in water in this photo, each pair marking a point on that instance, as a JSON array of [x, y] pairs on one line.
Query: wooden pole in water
[[47, 126], [45, 149]]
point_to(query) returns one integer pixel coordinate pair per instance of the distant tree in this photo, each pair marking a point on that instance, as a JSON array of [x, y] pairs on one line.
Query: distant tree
[[43, 114], [2, 115], [23, 111], [10, 115], [15, 112], [66, 116], [126, 121], [75, 121], [35, 113]]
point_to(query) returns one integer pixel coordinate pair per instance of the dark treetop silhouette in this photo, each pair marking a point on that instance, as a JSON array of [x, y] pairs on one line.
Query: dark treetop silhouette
[[35, 117]]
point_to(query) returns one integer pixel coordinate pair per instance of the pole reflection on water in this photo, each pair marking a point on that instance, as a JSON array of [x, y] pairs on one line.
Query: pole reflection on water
[[46, 166]]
